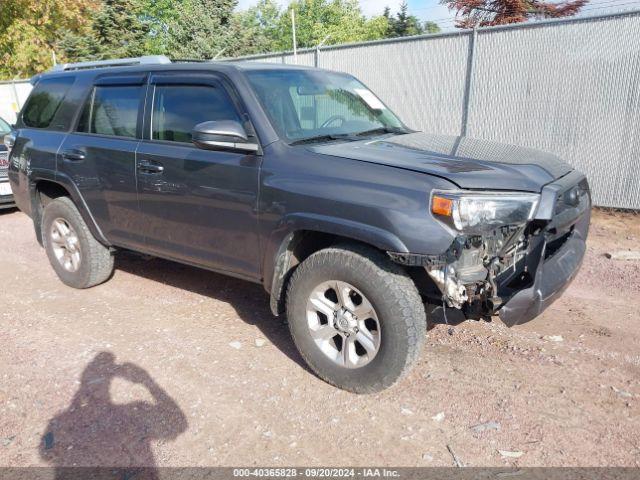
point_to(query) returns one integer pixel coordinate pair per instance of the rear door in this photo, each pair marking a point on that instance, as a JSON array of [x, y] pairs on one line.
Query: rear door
[[99, 156], [199, 205]]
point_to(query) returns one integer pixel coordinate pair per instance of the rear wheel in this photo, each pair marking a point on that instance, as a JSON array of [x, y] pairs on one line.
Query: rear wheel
[[356, 318], [76, 256]]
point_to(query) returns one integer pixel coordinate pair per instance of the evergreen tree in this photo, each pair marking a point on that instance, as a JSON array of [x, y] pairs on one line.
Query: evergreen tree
[[117, 31], [201, 29], [401, 22], [404, 24]]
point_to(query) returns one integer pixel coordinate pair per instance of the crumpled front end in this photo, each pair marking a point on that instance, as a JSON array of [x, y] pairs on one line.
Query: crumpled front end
[[517, 271], [557, 253]]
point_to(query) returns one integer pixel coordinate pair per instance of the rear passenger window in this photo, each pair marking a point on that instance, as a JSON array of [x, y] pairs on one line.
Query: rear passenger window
[[111, 110], [178, 108], [45, 100]]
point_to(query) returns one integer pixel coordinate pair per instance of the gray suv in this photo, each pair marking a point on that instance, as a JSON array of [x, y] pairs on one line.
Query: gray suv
[[302, 180]]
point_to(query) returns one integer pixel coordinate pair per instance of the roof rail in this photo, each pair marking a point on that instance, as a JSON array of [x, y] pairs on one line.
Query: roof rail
[[119, 62]]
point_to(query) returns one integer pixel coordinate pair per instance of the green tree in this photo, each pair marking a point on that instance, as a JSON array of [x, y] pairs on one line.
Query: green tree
[[404, 24], [157, 14], [259, 28], [430, 27], [332, 21], [202, 29], [30, 29], [118, 30]]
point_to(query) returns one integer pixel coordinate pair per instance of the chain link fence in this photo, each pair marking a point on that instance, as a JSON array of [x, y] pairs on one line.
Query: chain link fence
[[570, 86], [13, 94]]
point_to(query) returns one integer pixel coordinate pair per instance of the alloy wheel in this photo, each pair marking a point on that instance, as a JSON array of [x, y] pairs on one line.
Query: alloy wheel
[[65, 244], [343, 324]]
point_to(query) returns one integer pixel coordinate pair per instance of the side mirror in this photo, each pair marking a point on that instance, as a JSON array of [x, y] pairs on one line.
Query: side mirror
[[222, 135]]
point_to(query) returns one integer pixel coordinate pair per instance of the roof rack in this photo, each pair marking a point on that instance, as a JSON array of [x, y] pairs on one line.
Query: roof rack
[[119, 62]]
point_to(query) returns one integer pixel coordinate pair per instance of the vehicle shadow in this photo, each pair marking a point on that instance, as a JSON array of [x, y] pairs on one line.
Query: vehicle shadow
[[438, 316], [97, 438], [249, 300], [7, 210]]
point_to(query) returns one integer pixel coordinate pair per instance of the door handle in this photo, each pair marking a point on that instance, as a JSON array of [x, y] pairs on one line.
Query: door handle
[[73, 155], [149, 167]]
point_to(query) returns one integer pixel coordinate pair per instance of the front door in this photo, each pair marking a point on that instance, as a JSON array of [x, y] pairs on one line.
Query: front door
[[199, 205]]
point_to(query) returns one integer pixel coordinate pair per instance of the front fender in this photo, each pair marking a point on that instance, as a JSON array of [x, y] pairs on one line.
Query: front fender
[[282, 241], [362, 232]]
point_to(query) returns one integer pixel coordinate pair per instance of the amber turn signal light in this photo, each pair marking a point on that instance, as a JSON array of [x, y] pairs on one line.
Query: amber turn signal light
[[441, 206]]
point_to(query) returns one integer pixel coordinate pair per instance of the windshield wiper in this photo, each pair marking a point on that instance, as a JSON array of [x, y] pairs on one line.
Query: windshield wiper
[[323, 138], [349, 136], [379, 130]]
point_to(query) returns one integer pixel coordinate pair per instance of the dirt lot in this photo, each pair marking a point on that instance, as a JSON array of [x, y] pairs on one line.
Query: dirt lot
[[160, 366]]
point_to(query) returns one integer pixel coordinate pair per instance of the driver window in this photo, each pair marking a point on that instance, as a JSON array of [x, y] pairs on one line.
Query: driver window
[[179, 108]]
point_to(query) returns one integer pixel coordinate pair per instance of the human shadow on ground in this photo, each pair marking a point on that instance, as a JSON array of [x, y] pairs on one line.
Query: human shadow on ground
[[97, 438], [249, 300]]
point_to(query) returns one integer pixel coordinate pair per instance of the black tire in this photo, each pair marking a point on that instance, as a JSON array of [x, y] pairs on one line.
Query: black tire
[[96, 260], [394, 297]]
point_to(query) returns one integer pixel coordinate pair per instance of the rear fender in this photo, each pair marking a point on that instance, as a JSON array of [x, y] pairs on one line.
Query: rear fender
[[65, 182]]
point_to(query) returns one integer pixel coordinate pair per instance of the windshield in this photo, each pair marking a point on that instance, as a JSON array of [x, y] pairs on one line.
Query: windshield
[[4, 127], [305, 104]]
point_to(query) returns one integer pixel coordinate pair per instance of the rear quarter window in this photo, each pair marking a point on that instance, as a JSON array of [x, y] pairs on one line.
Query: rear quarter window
[[45, 100]]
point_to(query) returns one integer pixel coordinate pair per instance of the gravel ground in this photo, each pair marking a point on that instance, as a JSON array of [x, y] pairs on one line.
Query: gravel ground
[[169, 365]]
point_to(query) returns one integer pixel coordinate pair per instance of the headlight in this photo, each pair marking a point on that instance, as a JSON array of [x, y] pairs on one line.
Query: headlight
[[481, 212]]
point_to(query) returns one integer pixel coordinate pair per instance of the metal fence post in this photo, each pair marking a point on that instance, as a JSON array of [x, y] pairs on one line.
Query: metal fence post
[[316, 57], [15, 94], [469, 81]]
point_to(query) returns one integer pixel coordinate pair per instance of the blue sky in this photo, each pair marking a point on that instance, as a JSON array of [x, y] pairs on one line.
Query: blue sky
[[423, 9], [432, 10]]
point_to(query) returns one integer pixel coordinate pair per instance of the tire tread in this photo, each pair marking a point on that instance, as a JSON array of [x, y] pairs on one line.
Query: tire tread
[[400, 291]]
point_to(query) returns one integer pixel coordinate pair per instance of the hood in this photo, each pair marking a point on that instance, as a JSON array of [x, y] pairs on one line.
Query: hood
[[469, 163]]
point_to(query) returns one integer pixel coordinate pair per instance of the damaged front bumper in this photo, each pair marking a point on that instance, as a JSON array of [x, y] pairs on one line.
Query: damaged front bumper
[[553, 276], [516, 272], [566, 207]]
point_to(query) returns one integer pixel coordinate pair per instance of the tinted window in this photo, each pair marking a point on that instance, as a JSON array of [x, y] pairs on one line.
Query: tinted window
[[45, 100], [178, 108], [111, 110]]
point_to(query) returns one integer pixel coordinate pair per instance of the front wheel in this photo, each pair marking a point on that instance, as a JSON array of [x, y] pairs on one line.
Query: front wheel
[[356, 318]]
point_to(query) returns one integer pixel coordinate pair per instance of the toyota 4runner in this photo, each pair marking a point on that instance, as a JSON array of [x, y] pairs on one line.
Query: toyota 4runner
[[302, 180]]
